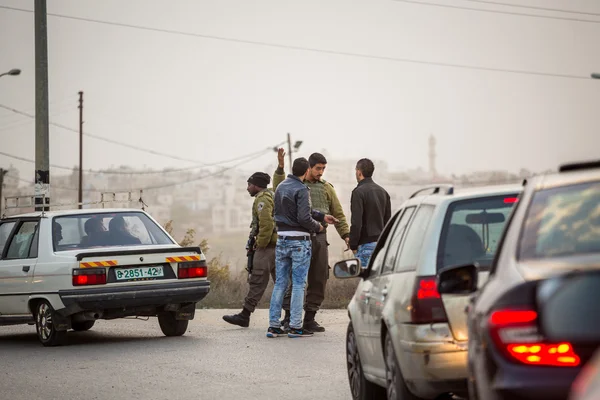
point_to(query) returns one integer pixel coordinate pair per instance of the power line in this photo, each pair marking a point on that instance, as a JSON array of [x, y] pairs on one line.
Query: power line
[[109, 172], [535, 8], [315, 50], [131, 146], [164, 186], [497, 11]]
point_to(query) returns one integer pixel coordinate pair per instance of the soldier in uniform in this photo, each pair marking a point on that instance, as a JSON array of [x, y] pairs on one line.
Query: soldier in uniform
[[264, 232], [325, 200]]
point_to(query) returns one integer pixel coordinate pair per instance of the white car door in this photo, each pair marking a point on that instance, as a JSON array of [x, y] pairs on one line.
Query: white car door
[[18, 260]]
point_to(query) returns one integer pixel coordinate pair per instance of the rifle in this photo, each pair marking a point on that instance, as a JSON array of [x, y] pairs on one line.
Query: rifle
[[250, 254]]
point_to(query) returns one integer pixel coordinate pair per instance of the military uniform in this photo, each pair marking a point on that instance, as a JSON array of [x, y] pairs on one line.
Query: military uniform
[[325, 200], [263, 228]]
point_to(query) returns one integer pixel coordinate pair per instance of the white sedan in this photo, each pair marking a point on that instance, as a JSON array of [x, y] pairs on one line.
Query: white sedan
[[63, 270]]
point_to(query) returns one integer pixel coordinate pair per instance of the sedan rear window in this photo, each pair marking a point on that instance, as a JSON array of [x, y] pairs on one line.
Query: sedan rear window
[[85, 231], [561, 222], [472, 230]]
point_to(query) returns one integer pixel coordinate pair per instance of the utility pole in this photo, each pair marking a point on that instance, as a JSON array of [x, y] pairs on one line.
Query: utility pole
[[289, 140], [80, 198], [2, 173], [42, 141]]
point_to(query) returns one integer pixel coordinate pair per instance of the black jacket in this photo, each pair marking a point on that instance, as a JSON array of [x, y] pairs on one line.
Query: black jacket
[[293, 209], [371, 209]]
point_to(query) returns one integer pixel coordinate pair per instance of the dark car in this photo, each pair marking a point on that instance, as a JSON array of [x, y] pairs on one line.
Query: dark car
[[554, 229]]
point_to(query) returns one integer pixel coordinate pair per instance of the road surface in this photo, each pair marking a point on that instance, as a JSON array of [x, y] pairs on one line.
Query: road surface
[[131, 359]]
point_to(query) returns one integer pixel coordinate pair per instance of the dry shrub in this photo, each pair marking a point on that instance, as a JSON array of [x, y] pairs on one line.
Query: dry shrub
[[227, 289]]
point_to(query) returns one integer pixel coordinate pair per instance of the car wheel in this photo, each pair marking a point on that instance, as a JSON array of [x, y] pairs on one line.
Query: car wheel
[[82, 326], [360, 387], [44, 326], [395, 385], [171, 326]]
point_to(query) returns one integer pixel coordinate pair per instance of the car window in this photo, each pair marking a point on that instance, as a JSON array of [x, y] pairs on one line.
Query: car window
[[379, 253], [106, 230], [472, 230], [5, 230], [394, 246], [561, 222], [20, 244], [411, 248]]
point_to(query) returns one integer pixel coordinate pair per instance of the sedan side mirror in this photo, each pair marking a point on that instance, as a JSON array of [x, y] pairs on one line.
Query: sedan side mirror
[[461, 279], [347, 269]]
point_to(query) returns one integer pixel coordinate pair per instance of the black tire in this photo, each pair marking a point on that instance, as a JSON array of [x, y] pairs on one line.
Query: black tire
[[395, 386], [171, 326], [44, 326], [360, 387], [82, 326]]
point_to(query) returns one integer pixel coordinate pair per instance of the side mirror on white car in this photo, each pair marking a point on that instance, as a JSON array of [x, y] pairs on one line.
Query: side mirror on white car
[[347, 269]]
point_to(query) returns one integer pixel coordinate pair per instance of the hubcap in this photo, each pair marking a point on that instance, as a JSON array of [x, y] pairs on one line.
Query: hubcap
[[44, 321], [353, 364], [390, 370]]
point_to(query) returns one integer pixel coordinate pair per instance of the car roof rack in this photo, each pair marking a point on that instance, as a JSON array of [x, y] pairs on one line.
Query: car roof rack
[[579, 166], [449, 189], [17, 202]]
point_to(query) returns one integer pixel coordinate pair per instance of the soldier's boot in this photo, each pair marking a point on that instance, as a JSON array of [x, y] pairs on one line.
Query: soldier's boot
[[242, 319], [285, 322], [310, 324]]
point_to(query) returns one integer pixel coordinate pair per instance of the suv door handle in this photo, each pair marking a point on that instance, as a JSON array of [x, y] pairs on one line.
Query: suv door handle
[[26, 268]]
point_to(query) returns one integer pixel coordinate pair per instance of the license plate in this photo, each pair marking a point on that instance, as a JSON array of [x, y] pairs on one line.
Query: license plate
[[125, 274]]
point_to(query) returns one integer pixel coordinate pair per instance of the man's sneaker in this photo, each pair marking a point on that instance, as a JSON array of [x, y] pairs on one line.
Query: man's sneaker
[[313, 326], [237, 319], [274, 332], [285, 325], [296, 333]]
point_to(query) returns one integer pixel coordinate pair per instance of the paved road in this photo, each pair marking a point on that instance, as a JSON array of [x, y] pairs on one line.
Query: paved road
[[131, 359]]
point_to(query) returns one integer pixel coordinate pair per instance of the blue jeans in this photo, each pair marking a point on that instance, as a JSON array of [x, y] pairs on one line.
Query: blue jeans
[[364, 253], [294, 256]]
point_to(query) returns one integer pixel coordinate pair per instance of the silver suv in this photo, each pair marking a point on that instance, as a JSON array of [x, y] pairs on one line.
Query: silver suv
[[401, 335]]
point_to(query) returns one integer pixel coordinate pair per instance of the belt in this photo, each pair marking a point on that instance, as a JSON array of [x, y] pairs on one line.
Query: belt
[[293, 237]]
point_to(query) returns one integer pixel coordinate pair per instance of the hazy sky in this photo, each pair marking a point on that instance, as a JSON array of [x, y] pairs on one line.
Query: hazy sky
[[209, 100]]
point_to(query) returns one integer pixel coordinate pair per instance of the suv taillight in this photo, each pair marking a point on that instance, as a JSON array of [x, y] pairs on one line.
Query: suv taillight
[[89, 276], [426, 303], [193, 269], [515, 334]]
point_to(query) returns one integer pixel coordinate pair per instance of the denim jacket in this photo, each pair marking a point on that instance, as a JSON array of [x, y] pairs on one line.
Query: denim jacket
[[293, 208]]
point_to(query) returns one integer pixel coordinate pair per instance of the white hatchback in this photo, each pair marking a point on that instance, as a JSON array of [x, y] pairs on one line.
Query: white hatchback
[[63, 270]]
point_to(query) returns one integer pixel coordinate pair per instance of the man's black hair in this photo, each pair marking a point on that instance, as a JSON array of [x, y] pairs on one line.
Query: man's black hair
[[300, 166], [365, 166], [316, 158]]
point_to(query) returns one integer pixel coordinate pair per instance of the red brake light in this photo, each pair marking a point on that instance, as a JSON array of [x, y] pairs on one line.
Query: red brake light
[[89, 276], [194, 269], [510, 200], [507, 317], [515, 333], [426, 303]]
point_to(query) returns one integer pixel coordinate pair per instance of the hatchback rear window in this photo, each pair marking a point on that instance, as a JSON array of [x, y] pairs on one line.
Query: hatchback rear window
[[106, 230], [472, 230], [561, 222]]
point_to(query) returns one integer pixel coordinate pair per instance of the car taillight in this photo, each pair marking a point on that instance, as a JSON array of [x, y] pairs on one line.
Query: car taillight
[[515, 333], [426, 303], [194, 269], [89, 276]]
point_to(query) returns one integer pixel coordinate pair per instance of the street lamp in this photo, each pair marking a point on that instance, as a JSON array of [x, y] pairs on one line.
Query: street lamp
[[12, 72], [596, 75]]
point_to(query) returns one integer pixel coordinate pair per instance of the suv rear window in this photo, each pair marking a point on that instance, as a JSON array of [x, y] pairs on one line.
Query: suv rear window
[[85, 231], [472, 230], [562, 221]]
